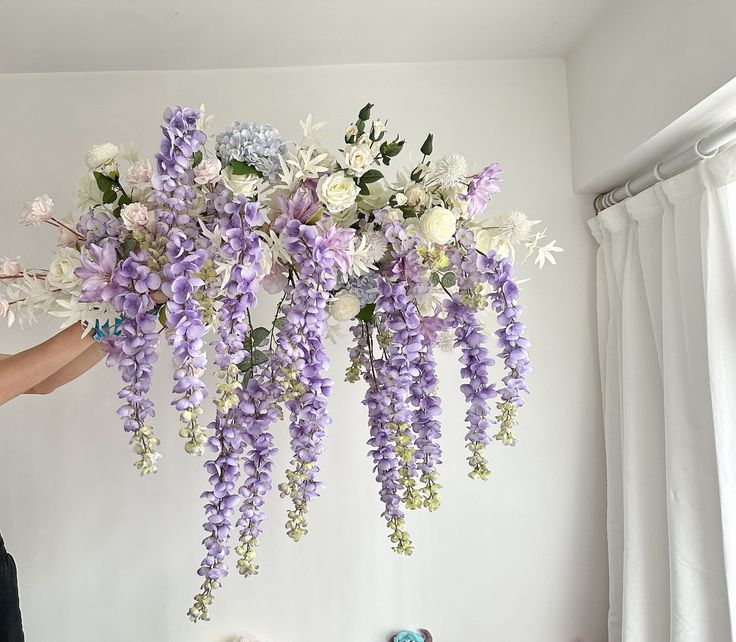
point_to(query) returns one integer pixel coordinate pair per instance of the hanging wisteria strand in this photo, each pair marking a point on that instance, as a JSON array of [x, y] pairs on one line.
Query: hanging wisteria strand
[[184, 246], [174, 185], [230, 437], [511, 340], [426, 426], [301, 345], [462, 314]]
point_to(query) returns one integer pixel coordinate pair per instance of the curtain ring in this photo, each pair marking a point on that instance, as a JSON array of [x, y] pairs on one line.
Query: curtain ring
[[657, 175], [700, 154], [627, 189]]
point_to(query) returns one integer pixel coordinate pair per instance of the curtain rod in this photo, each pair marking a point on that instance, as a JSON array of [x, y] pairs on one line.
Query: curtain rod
[[706, 147]]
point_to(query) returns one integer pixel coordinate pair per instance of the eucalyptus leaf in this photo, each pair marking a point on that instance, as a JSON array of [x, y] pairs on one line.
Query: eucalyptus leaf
[[259, 336], [258, 357], [434, 278], [448, 279]]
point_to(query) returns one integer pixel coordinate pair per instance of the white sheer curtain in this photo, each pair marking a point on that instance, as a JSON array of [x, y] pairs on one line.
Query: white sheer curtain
[[667, 337]]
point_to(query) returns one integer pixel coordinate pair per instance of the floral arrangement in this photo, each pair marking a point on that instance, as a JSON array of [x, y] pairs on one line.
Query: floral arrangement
[[181, 249]]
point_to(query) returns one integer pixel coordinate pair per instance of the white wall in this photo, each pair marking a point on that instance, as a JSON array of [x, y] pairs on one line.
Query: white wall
[[105, 555], [643, 66]]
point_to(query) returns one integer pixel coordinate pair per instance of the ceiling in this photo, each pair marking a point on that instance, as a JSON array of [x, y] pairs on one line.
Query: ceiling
[[101, 35]]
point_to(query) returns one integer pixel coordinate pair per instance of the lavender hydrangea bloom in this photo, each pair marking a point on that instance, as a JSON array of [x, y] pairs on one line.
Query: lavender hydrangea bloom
[[99, 225], [303, 362], [257, 145]]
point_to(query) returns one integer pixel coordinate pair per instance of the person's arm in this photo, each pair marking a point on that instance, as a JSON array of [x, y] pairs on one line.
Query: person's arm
[[27, 370], [90, 357]]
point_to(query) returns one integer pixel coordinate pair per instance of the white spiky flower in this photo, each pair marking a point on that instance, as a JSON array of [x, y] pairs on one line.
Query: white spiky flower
[[365, 251], [451, 170], [514, 227]]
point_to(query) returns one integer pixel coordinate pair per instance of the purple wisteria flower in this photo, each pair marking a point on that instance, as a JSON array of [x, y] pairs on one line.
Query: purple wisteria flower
[[303, 361], [173, 183]]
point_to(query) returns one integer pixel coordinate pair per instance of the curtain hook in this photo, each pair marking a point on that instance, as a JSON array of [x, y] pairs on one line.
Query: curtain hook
[[701, 155]]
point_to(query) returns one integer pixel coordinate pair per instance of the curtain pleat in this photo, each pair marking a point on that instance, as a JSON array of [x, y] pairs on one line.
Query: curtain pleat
[[667, 344]]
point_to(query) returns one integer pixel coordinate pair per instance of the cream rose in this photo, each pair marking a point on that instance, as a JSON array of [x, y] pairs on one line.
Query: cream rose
[[247, 185], [101, 155], [136, 215], [337, 191], [416, 195], [351, 131], [9, 267], [358, 158], [37, 211], [139, 175], [484, 239], [344, 306], [208, 171], [438, 225], [61, 271]]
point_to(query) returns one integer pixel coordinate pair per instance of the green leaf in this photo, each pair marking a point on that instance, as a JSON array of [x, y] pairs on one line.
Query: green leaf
[[434, 278], [245, 365], [124, 200], [259, 335], [247, 376], [371, 176], [365, 113], [448, 279], [162, 316], [105, 183], [197, 158], [129, 245], [366, 313], [109, 197], [279, 322], [243, 169], [426, 148], [257, 357]]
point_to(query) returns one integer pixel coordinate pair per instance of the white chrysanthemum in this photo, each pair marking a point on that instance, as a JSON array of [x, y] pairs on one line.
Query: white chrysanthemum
[[451, 170], [365, 251]]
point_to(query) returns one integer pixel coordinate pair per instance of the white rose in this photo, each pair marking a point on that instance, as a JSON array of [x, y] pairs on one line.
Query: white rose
[[344, 306], [136, 215], [416, 195], [275, 281], [101, 155], [247, 185], [484, 239], [9, 267], [358, 158], [393, 214], [438, 225], [208, 171], [400, 198], [61, 271], [351, 131], [139, 175], [379, 127], [337, 191], [37, 211]]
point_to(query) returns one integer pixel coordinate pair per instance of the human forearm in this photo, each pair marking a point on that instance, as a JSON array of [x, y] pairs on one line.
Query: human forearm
[[69, 372], [19, 373]]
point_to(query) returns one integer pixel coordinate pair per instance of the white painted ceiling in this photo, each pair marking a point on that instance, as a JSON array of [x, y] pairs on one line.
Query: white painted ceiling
[[98, 35]]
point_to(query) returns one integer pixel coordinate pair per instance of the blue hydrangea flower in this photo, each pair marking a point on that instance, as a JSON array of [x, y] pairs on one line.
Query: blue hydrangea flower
[[408, 636], [257, 145]]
